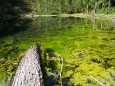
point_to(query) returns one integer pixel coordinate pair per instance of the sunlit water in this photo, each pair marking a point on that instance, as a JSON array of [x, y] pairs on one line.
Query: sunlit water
[[87, 46]]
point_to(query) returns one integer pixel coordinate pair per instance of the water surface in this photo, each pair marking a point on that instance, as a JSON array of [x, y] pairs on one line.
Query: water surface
[[87, 46]]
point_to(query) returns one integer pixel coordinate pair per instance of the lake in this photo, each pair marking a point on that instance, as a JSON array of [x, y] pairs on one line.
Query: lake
[[86, 45]]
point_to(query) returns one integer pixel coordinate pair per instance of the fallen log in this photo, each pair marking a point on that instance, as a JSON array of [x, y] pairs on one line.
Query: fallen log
[[29, 72]]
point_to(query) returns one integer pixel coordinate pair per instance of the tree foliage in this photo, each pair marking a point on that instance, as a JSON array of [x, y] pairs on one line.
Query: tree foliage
[[52, 6], [69, 6]]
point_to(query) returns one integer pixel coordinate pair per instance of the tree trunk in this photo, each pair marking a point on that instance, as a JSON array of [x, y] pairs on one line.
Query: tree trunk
[[109, 4], [95, 7], [87, 8], [29, 72], [46, 6]]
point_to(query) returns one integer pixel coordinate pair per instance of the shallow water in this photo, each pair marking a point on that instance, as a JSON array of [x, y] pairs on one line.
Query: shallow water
[[87, 46]]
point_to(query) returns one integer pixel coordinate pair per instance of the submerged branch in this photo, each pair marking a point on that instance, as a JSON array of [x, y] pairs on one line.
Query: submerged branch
[[62, 63], [100, 83]]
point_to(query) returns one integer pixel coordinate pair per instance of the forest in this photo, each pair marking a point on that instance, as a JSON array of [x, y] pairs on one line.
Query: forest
[[56, 6]]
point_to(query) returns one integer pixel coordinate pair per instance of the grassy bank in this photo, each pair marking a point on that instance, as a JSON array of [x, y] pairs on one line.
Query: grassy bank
[[110, 17]]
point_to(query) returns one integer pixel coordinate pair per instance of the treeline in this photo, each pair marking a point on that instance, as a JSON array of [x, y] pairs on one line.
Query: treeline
[[13, 7], [69, 6], [53, 6]]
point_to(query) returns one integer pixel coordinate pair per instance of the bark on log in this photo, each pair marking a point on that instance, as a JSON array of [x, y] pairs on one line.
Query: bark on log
[[29, 71]]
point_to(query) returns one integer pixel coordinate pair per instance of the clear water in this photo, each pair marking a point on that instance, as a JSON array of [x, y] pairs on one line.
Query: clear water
[[87, 46]]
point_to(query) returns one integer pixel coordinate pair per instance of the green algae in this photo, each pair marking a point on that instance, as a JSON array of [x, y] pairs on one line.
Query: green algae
[[87, 50]]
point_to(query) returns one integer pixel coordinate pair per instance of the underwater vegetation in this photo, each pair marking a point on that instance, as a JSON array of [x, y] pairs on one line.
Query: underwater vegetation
[[87, 47]]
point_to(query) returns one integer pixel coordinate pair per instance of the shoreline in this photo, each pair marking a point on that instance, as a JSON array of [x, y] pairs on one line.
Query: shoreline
[[109, 17]]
